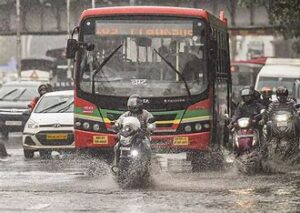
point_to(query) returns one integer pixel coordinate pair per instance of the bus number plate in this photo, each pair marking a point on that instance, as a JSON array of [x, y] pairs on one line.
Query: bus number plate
[[100, 140], [181, 141]]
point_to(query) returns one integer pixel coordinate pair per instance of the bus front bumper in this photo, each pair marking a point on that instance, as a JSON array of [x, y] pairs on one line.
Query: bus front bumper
[[183, 142]]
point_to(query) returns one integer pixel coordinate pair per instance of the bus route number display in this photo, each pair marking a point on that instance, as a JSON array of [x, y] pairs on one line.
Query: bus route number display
[[145, 29]]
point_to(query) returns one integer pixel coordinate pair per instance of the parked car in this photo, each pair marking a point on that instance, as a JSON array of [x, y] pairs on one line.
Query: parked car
[[14, 99], [51, 125]]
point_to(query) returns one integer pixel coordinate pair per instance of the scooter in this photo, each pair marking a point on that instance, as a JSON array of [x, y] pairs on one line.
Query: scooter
[[133, 152], [247, 144]]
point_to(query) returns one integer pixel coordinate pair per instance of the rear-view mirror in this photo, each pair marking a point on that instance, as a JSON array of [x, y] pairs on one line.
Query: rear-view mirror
[[72, 47]]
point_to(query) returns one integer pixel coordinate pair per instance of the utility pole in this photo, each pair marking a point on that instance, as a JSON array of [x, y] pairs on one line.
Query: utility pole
[[93, 4], [19, 47], [69, 73]]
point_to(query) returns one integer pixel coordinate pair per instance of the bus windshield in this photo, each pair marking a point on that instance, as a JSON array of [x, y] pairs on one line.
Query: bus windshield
[[137, 66]]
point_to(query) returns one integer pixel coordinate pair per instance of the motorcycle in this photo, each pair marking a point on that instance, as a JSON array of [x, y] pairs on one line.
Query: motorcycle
[[247, 144], [283, 139], [134, 153]]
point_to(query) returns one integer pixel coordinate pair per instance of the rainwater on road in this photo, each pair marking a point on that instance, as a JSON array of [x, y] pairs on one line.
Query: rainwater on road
[[73, 183]]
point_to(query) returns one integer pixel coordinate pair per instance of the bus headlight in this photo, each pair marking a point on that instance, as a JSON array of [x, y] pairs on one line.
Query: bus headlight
[[206, 126], [96, 127], [78, 124], [198, 127], [188, 128], [86, 125]]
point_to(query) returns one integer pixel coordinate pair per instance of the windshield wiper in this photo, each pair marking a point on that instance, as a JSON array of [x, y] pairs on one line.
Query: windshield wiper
[[52, 107], [19, 96], [175, 70], [102, 65], [66, 107], [9, 93]]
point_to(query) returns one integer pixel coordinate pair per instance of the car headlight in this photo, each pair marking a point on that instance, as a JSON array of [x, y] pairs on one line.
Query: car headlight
[[32, 125], [243, 122]]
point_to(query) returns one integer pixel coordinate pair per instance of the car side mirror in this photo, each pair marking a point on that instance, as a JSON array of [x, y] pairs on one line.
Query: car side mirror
[[72, 47]]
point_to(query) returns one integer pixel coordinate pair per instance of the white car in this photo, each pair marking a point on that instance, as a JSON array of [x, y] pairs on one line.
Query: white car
[[51, 125]]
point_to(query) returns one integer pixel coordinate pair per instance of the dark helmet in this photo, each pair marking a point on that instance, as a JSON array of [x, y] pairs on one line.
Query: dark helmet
[[42, 89], [247, 94], [135, 103], [282, 94], [266, 92]]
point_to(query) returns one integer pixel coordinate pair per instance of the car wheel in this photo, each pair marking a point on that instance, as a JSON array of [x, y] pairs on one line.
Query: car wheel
[[28, 154], [45, 154]]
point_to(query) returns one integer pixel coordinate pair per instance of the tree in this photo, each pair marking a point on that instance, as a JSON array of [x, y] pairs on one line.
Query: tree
[[282, 13]]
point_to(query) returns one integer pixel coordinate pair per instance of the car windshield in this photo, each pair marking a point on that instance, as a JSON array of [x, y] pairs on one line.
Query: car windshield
[[137, 67], [55, 104], [275, 82], [18, 92]]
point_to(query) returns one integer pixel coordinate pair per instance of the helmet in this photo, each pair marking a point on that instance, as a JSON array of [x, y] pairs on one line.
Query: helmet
[[42, 89], [135, 103], [266, 92], [247, 94], [282, 94]]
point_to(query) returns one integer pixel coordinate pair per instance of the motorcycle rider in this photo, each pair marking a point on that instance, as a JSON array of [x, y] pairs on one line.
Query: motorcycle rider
[[249, 107], [135, 109], [283, 103], [266, 93]]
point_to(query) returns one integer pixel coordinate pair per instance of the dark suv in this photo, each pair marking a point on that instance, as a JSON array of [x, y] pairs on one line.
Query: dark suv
[[14, 99]]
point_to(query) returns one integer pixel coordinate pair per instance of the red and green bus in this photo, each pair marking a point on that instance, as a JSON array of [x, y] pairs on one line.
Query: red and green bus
[[176, 59]]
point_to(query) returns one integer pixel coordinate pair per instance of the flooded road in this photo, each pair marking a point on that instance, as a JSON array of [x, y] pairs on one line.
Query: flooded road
[[72, 183]]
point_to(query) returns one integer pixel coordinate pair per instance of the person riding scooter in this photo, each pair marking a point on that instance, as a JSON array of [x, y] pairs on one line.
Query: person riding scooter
[[249, 107], [135, 109]]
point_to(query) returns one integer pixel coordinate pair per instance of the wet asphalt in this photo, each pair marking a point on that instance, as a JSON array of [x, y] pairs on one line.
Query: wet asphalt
[[75, 183]]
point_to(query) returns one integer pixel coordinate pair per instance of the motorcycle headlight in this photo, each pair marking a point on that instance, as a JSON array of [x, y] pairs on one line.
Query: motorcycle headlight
[[32, 125], [283, 117], [134, 153], [243, 122], [126, 141]]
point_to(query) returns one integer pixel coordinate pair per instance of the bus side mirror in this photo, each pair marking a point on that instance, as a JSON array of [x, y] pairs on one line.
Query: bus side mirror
[[72, 47]]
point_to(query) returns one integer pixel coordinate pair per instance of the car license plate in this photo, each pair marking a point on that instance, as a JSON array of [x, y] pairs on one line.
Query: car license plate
[[181, 141], [57, 136], [100, 140], [13, 123], [282, 124]]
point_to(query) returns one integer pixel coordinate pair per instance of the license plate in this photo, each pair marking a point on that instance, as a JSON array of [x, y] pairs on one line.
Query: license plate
[[181, 141], [100, 140], [57, 136], [282, 124], [13, 123]]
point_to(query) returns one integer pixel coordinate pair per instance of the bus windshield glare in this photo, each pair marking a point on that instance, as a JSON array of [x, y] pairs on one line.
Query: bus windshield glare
[[136, 67]]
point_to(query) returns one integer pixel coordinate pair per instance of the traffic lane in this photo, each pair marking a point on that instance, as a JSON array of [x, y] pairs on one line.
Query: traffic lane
[[74, 183]]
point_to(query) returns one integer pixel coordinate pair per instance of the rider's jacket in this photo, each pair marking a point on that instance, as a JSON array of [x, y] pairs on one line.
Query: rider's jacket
[[266, 103], [276, 106], [247, 110], [143, 117]]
